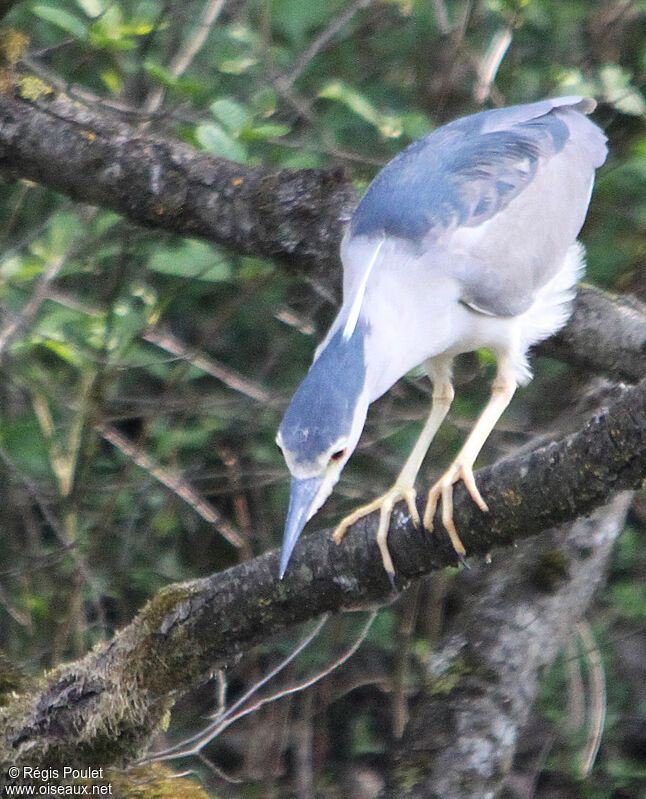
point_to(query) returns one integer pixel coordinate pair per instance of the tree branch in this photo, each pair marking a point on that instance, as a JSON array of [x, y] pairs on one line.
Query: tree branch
[[291, 215], [108, 705], [90, 156], [481, 681], [112, 701], [606, 333]]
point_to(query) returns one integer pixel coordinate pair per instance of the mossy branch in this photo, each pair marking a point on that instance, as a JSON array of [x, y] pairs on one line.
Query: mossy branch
[[105, 707]]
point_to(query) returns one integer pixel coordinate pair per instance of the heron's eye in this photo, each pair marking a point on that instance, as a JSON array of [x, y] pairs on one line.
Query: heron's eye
[[336, 456]]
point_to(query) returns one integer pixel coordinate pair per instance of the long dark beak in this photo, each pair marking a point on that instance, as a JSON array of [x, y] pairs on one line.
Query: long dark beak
[[301, 499]]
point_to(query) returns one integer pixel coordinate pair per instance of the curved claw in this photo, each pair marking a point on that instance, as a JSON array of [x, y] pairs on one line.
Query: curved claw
[[444, 489], [384, 504]]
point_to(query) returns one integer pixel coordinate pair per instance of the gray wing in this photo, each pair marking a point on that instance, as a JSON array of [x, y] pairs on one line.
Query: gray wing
[[466, 174]]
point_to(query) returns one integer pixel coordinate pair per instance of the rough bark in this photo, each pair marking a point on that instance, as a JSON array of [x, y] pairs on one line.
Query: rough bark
[[292, 216], [483, 678], [606, 334], [106, 706], [92, 157]]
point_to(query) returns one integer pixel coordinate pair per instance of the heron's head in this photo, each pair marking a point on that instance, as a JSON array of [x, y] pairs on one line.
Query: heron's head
[[321, 428]]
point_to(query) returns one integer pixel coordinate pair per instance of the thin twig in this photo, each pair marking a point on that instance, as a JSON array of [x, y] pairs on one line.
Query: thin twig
[[490, 64], [178, 751], [405, 632], [27, 314], [442, 17], [18, 615], [191, 47], [167, 341], [171, 480], [597, 709], [463, 22], [221, 681], [301, 686], [576, 690], [217, 771], [40, 292], [197, 742], [287, 80]]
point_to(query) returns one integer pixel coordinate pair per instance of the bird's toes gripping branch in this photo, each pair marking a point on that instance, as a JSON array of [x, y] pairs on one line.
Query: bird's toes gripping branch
[[458, 470], [384, 504]]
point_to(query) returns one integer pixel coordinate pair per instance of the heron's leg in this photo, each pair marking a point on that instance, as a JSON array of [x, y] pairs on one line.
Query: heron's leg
[[404, 487], [502, 391]]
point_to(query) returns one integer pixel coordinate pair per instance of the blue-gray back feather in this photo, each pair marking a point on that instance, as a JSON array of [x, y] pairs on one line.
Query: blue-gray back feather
[[463, 173]]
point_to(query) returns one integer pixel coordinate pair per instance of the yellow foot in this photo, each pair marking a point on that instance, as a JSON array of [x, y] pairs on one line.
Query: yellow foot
[[458, 470], [384, 504]]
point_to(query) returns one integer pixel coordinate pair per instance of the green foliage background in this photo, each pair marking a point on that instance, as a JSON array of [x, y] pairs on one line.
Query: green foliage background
[[87, 533]]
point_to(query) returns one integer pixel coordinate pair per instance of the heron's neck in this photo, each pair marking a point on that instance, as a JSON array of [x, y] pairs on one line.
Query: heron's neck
[[392, 349], [342, 362]]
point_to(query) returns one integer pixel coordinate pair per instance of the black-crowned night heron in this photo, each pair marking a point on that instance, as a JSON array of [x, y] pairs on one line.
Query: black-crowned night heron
[[465, 240]]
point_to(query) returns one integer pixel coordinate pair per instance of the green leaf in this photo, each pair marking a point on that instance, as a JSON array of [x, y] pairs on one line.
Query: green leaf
[[268, 131], [111, 22], [160, 73], [215, 140], [415, 124], [571, 81], [99, 39], [63, 232], [337, 90], [192, 259], [62, 19], [619, 90], [112, 32], [105, 220], [68, 327], [250, 268], [265, 101], [21, 268], [64, 350], [388, 125], [112, 81], [240, 33], [237, 66], [234, 116], [138, 28], [93, 8]]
